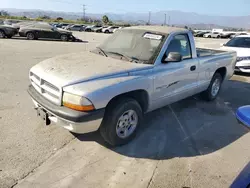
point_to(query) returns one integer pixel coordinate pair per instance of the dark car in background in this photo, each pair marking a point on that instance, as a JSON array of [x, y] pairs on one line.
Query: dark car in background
[[200, 34], [37, 31], [7, 31], [226, 35]]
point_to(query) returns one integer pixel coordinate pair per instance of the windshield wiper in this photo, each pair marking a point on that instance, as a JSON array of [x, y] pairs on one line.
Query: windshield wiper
[[102, 51], [130, 59]]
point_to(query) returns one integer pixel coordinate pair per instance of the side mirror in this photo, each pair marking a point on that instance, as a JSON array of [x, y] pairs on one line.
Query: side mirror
[[173, 57]]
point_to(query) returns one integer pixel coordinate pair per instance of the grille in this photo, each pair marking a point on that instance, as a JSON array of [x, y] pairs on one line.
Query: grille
[[48, 90]]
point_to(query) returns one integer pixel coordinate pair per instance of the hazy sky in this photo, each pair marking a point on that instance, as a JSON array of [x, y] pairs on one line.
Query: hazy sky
[[210, 7]]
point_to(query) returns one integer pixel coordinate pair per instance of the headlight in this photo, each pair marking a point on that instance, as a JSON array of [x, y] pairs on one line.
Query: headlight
[[76, 102], [242, 58]]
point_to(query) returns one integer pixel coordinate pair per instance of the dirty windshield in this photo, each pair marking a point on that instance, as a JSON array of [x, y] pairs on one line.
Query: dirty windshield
[[133, 44]]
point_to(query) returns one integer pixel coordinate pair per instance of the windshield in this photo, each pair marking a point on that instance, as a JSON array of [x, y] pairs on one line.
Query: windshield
[[136, 44], [241, 42]]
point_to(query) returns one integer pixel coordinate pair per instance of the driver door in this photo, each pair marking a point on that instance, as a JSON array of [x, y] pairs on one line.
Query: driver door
[[176, 80]]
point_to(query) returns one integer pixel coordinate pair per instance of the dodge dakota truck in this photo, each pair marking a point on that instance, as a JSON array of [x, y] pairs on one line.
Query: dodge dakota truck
[[135, 71]]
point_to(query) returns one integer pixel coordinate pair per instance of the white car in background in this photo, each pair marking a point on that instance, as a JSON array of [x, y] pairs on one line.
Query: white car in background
[[212, 35], [109, 29], [238, 34], [117, 29], [240, 44]]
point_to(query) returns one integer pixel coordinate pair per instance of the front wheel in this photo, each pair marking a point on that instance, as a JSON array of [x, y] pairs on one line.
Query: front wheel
[[214, 88], [121, 121], [2, 34], [64, 38], [209, 36], [30, 36]]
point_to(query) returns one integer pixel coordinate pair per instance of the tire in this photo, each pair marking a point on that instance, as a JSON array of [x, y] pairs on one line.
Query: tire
[[2, 34], [116, 120], [9, 36], [218, 36], [209, 36], [30, 36], [107, 31], [212, 91], [64, 38]]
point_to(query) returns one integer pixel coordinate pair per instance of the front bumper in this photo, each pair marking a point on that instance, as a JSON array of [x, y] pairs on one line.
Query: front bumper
[[21, 34], [243, 66], [72, 120]]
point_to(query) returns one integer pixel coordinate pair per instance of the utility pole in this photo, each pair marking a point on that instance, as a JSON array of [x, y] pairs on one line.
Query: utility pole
[[169, 20], [165, 19], [149, 17], [83, 9]]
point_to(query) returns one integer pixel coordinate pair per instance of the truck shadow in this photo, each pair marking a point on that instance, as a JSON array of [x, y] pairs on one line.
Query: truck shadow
[[191, 127]]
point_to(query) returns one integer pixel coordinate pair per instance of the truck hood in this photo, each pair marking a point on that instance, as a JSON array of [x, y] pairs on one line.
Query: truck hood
[[75, 68]]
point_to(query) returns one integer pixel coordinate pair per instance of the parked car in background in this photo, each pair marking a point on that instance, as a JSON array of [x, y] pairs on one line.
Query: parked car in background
[[25, 24], [238, 34], [240, 44], [226, 35], [95, 27], [212, 35], [200, 34], [7, 31], [88, 28], [117, 29], [109, 29], [135, 71], [61, 25], [76, 27], [37, 31]]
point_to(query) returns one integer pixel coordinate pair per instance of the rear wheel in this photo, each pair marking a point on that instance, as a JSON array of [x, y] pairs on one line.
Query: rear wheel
[[214, 88], [218, 36], [107, 31], [30, 36], [209, 36], [9, 36], [2, 34], [121, 121], [64, 38]]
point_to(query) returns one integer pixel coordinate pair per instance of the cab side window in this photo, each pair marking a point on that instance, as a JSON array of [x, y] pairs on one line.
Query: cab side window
[[180, 43]]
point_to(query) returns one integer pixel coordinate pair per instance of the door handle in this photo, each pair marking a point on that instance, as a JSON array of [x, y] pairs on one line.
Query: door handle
[[193, 68]]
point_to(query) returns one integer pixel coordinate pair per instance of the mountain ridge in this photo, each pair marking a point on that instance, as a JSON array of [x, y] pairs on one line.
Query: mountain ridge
[[173, 17]]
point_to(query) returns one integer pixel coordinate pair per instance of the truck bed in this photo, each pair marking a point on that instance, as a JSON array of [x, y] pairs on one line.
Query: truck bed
[[202, 52]]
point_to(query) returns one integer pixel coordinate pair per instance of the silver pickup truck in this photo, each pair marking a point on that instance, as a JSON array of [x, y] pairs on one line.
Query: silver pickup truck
[[135, 71]]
